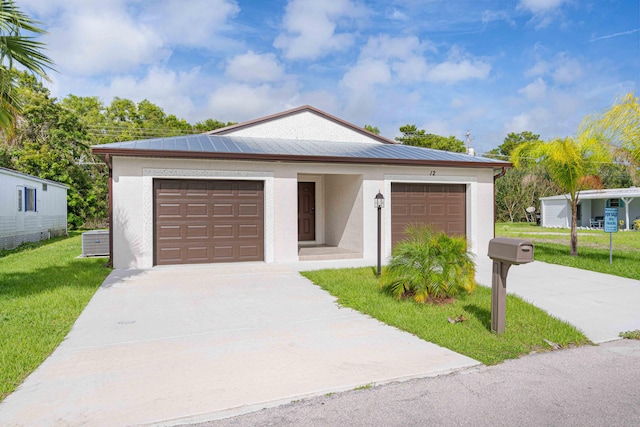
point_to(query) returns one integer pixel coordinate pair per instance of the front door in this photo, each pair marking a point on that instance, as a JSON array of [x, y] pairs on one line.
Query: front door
[[306, 211]]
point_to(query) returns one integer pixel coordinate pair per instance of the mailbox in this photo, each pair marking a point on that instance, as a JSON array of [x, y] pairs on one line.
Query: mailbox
[[512, 251], [504, 253]]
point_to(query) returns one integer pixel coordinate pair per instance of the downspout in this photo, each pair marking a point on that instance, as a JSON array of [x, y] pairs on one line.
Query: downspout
[[107, 159], [495, 207]]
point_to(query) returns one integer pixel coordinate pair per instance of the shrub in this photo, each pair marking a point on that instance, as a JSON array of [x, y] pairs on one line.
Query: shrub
[[636, 224], [429, 264], [631, 335]]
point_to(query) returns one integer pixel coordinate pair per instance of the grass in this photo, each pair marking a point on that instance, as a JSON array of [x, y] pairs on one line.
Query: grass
[[526, 326], [552, 246], [43, 289]]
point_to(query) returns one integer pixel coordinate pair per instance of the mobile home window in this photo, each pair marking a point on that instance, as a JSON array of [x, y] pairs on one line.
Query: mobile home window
[[20, 200], [29, 199], [44, 187]]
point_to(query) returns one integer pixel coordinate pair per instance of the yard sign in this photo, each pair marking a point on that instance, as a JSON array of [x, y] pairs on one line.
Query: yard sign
[[610, 226]]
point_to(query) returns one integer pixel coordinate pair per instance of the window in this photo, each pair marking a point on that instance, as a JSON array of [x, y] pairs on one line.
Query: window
[[20, 200], [44, 187], [29, 199]]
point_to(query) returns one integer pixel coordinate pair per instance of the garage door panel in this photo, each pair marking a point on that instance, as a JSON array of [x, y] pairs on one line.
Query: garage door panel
[[436, 209], [441, 206], [200, 221], [249, 210], [221, 210], [197, 231], [223, 231], [249, 231], [223, 253]]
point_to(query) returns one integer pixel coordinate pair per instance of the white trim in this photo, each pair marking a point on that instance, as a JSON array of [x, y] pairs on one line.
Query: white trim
[[471, 203], [148, 174]]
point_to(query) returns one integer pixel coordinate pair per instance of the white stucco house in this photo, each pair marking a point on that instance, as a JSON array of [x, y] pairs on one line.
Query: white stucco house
[[297, 185], [31, 208], [555, 211]]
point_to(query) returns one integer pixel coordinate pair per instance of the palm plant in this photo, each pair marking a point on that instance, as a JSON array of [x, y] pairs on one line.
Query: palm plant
[[568, 161], [429, 264], [15, 47]]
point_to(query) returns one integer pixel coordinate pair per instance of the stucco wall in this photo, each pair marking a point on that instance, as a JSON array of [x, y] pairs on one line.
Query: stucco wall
[[303, 125], [350, 219], [344, 206]]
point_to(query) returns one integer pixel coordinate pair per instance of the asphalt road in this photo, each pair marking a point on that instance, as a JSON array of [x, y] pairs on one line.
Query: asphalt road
[[586, 386]]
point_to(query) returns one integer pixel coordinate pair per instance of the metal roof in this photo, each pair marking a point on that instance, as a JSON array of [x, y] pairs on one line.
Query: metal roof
[[610, 193], [249, 148], [35, 178]]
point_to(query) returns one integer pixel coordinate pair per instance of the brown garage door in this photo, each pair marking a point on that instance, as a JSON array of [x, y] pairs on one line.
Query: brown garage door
[[440, 205], [203, 221]]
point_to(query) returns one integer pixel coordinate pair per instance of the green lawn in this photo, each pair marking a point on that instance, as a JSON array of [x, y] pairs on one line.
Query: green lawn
[[526, 325], [43, 289], [552, 246]]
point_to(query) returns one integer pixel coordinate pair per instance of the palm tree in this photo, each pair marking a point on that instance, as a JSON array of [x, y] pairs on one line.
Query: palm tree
[[17, 48], [569, 162], [620, 126]]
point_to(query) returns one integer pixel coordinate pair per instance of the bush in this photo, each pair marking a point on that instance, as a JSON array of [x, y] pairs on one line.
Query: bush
[[429, 264], [636, 224]]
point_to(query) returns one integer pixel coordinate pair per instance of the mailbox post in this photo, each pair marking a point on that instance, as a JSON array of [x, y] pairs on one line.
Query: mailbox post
[[504, 253]]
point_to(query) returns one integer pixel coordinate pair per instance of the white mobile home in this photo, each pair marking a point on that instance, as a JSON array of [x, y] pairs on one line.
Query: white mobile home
[[31, 208], [556, 210]]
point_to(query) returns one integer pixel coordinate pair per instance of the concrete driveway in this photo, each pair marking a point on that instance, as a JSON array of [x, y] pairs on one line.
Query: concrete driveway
[[186, 344], [601, 305]]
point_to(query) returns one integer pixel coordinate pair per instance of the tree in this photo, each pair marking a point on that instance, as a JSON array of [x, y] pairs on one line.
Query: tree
[[23, 50], [620, 126], [514, 139], [49, 142], [372, 129], [567, 161], [511, 141], [411, 135], [520, 188], [211, 124]]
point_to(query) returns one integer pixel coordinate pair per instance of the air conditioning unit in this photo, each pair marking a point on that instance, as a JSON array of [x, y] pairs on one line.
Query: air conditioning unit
[[95, 243]]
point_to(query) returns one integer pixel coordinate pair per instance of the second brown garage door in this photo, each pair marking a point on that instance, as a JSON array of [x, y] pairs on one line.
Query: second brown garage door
[[442, 206], [205, 221]]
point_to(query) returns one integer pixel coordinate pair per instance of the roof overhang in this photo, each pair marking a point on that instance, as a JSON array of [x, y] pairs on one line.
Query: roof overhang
[[293, 158]]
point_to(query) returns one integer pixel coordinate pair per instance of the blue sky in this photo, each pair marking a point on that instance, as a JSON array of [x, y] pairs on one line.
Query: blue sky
[[447, 66]]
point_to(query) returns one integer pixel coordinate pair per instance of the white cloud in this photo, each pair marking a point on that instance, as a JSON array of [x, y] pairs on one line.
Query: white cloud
[[311, 27], [91, 37], [451, 72], [501, 15], [366, 73], [540, 6], [568, 71], [240, 102], [170, 90], [397, 15], [543, 11], [562, 68], [536, 90], [92, 40], [253, 67], [190, 22]]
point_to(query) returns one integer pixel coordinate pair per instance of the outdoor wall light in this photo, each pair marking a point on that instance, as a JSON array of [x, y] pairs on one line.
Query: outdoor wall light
[[379, 201], [379, 204]]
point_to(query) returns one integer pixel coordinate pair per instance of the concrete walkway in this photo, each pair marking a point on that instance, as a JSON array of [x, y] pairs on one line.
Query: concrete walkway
[[187, 344], [601, 305]]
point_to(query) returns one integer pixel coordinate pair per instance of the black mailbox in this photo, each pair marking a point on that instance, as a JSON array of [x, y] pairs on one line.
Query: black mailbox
[[504, 253], [512, 251]]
